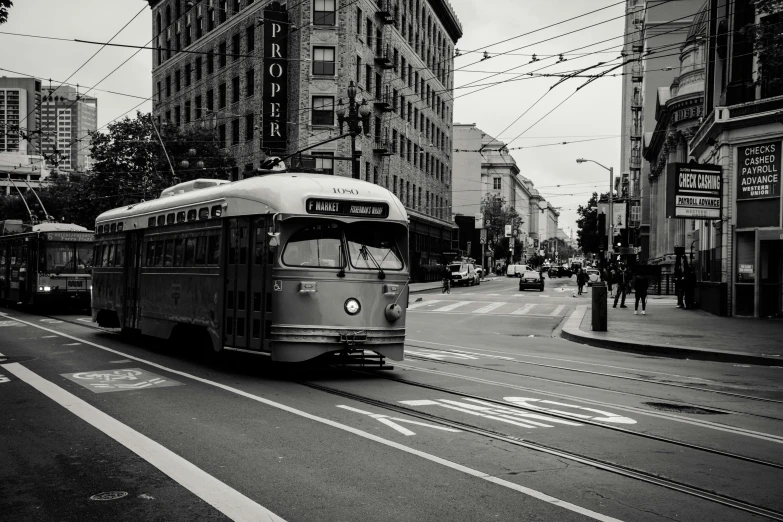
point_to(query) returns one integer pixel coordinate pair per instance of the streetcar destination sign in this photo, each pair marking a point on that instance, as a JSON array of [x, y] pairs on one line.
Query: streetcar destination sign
[[69, 236], [347, 208], [694, 191]]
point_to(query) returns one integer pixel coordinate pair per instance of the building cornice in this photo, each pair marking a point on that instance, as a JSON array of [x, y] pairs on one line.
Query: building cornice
[[446, 15]]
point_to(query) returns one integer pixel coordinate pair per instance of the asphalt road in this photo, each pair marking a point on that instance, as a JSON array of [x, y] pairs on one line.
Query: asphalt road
[[490, 417]]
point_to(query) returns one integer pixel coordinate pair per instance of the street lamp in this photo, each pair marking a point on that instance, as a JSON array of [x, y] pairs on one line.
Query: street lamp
[[358, 117], [611, 201]]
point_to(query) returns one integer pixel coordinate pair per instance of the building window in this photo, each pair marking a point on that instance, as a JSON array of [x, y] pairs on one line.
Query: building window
[[368, 78], [235, 89], [235, 47], [222, 54], [323, 61], [210, 100], [249, 127], [250, 36], [496, 183], [323, 12], [198, 68], [198, 108], [177, 80], [210, 61], [187, 75], [358, 20], [177, 115], [323, 110], [324, 161], [222, 136], [235, 132], [168, 86], [358, 70], [160, 92], [187, 111], [250, 82], [222, 96]]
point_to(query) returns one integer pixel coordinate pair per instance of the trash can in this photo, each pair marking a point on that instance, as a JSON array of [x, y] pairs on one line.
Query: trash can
[[599, 307]]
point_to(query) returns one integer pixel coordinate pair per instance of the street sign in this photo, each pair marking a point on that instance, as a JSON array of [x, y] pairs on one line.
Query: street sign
[[508, 230]]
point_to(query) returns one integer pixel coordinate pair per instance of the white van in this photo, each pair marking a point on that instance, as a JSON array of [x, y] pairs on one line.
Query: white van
[[516, 270]]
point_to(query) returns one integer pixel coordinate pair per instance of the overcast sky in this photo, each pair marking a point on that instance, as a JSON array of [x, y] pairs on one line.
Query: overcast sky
[[592, 112]]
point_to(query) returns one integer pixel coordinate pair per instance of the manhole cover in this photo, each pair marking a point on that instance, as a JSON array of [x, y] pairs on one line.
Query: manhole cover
[[109, 495], [682, 408]]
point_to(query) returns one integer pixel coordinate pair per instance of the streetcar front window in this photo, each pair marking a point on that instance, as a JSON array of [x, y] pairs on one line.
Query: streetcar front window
[[371, 245], [317, 246], [84, 255], [58, 258]]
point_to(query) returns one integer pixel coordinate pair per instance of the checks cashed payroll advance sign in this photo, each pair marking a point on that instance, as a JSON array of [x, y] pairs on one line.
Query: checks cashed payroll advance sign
[[693, 191], [758, 170]]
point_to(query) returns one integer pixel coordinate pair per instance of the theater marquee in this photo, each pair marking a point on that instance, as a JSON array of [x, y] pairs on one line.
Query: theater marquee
[[693, 191]]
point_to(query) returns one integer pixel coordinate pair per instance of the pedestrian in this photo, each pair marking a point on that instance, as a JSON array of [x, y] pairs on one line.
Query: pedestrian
[[581, 279], [610, 275], [678, 285], [689, 288], [640, 285], [621, 280]]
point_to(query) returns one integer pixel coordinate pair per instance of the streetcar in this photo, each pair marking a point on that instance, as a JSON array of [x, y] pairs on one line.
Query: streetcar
[[45, 264], [288, 265]]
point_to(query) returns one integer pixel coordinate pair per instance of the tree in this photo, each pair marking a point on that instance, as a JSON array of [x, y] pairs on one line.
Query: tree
[[497, 214], [5, 5], [767, 39], [588, 236]]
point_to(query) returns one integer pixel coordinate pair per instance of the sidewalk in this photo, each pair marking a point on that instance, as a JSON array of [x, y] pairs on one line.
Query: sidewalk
[[416, 288], [674, 332]]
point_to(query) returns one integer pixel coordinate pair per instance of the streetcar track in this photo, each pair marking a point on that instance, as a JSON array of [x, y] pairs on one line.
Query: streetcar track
[[581, 420], [577, 370], [625, 471]]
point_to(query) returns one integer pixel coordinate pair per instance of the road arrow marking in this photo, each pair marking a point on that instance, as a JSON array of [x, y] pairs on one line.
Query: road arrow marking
[[390, 421]]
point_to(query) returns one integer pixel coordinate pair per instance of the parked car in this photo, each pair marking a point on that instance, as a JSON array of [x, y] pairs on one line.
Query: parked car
[[593, 276], [480, 271], [531, 279], [516, 270], [463, 274]]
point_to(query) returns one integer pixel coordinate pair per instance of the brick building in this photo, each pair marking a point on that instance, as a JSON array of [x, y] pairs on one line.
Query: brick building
[[215, 59]]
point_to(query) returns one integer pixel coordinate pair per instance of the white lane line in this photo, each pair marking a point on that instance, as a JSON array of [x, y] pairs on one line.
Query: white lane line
[[432, 458], [72, 344], [422, 303], [225, 499], [524, 310], [85, 319], [51, 321], [488, 308], [558, 310], [452, 306]]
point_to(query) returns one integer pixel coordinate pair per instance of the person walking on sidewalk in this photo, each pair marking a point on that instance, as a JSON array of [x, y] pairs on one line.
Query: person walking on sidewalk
[[640, 285], [679, 286], [581, 279], [622, 286], [610, 276]]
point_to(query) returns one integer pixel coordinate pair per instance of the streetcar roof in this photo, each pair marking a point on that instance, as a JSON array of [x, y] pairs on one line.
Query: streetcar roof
[[284, 193], [59, 227]]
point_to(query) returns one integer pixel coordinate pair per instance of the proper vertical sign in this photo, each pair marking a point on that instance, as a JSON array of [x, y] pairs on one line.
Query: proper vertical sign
[[758, 170], [693, 191]]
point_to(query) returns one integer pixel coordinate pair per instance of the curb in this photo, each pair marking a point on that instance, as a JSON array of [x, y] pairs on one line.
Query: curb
[[572, 332]]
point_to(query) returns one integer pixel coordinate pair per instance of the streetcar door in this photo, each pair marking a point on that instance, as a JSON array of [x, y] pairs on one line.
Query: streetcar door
[[235, 296], [260, 278], [132, 276]]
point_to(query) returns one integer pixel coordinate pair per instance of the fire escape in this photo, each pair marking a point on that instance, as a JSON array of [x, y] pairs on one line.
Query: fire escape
[[630, 189], [383, 101]]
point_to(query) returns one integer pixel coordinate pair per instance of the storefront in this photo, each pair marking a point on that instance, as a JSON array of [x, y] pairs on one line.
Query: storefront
[[428, 238]]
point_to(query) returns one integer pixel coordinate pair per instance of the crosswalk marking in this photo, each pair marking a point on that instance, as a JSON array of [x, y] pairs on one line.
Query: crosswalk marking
[[422, 303], [452, 306], [488, 308], [558, 310], [524, 310]]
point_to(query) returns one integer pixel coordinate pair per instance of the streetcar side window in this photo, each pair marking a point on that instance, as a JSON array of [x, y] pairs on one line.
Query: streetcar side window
[[213, 249], [170, 219], [97, 255], [179, 249], [168, 252], [216, 211], [190, 250], [158, 261], [161, 220], [203, 213], [315, 246], [192, 215], [181, 217], [114, 227], [151, 222], [119, 227], [119, 255], [150, 258], [108, 259], [99, 230], [201, 251]]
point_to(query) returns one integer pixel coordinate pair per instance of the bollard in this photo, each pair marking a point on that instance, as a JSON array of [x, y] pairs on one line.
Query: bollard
[[599, 307]]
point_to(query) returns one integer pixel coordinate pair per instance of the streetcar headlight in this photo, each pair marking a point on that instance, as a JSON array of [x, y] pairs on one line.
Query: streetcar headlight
[[352, 306], [47, 289]]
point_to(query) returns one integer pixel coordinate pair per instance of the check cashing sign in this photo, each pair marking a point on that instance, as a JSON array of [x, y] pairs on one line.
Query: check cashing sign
[[694, 191], [758, 170]]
